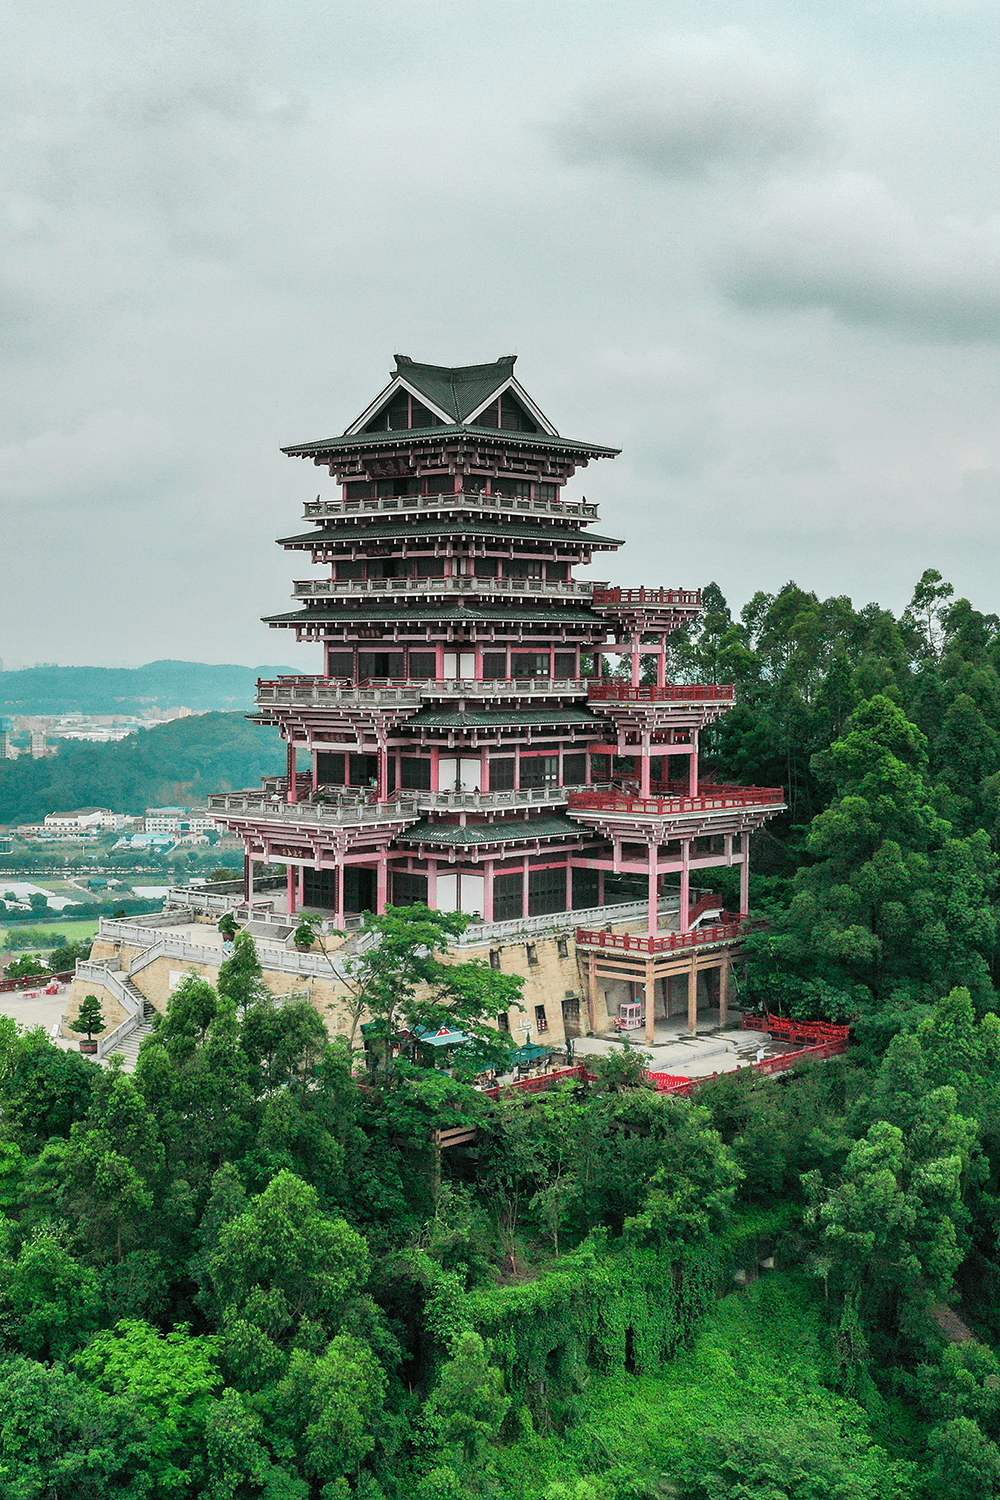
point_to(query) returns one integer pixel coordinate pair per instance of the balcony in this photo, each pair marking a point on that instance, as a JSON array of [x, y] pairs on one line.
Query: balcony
[[667, 942], [322, 510], [430, 588], [606, 597], [709, 799], [346, 812], [549, 796], [291, 692], [673, 692]]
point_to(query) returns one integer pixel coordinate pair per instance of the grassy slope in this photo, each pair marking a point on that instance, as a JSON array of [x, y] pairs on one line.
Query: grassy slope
[[758, 1363]]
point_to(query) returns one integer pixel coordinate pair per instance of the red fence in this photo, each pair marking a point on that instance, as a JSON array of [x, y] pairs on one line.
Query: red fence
[[811, 1032], [32, 982], [629, 942], [686, 597], [672, 1083], [673, 692], [706, 800], [543, 1082]]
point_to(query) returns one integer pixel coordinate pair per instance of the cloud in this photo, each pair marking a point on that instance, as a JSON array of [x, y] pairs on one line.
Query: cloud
[[699, 102], [841, 241], [105, 456]]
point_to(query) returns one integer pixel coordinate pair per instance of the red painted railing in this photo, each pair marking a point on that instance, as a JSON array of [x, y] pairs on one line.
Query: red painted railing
[[686, 597], [791, 1030], [543, 1081], [673, 1083], [708, 902], [32, 981], [673, 692], [630, 942], [707, 799]]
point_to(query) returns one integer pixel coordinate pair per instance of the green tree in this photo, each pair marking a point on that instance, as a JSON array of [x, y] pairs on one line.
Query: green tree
[[401, 983], [168, 1380], [90, 1018], [467, 1406], [283, 1273]]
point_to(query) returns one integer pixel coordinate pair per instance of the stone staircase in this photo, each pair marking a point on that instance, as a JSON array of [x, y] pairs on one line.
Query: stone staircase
[[129, 1045]]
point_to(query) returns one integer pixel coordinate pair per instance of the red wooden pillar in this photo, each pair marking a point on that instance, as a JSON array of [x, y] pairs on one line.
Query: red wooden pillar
[[685, 885], [745, 875], [382, 884], [293, 877], [247, 878], [644, 767], [654, 895], [488, 891], [636, 642], [338, 916], [661, 663], [693, 765], [292, 793]]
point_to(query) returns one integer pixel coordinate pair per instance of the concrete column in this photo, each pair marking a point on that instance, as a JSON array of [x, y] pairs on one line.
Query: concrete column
[[600, 887], [693, 765], [435, 769], [745, 875], [432, 884], [654, 913], [292, 889], [592, 993], [338, 916], [685, 885], [569, 887], [724, 969], [302, 884], [650, 1003], [292, 793], [524, 892], [692, 997], [247, 878], [488, 891], [636, 659], [381, 884]]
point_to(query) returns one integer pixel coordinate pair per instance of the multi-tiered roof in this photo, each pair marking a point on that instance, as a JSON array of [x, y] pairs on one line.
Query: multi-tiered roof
[[465, 746]]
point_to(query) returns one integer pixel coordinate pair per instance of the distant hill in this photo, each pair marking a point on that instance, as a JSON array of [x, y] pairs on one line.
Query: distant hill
[[129, 690], [179, 762]]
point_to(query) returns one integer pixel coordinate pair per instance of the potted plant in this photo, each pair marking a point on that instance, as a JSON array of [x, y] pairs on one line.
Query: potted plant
[[227, 926], [89, 1020], [303, 937]]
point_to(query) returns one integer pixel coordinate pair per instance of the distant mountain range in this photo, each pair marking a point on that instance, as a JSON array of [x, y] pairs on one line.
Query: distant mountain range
[[130, 690]]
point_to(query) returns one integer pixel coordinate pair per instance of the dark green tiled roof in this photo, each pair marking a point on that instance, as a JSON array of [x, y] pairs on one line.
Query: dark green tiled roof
[[406, 437], [388, 614], [512, 830], [446, 527], [432, 718], [458, 390]]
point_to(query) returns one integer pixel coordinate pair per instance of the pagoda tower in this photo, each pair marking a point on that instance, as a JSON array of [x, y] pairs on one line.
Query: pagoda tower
[[465, 746]]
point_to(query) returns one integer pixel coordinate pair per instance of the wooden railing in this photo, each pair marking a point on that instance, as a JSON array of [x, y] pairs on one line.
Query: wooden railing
[[320, 509], [667, 942], [684, 598], [790, 1030], [708, 798], [32, 982], [311, 588], [672, 692]]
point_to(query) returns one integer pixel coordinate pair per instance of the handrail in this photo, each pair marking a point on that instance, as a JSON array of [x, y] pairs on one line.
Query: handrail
[[307, 588], [685, 598], [672, 692], [106, 1044], [32, 982], [462, 498], [706, 800], [667, 942]]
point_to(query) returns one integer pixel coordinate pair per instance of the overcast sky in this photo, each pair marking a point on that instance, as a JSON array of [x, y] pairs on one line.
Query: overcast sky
[[760, 256]]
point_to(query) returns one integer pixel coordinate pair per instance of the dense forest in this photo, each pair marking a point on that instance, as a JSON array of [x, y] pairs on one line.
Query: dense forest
[[130, 690], [180, 762], [246, 1270]]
